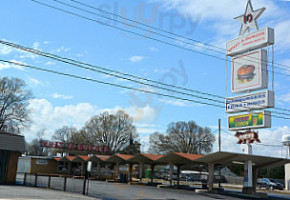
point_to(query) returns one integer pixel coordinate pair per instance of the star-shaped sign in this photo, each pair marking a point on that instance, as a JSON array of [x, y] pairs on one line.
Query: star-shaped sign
[[249, 19]]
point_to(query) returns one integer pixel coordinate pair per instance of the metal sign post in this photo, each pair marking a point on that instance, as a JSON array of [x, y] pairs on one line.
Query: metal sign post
[[249, 72]]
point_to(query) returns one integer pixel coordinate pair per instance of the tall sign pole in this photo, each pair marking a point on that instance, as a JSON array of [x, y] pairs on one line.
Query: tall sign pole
[[219, 122], [249, 73]]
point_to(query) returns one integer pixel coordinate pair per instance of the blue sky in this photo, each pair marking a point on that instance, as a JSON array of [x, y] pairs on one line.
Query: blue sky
[[60, 100]]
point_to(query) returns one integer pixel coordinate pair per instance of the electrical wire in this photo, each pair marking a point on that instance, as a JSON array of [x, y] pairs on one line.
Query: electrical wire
[[139, 34], [145, 25], [106, 83], [117, 85], [64, 60], [73, 62]]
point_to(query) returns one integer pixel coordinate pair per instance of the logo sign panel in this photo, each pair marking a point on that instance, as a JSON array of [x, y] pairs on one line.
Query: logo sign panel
[[249, 71], [255, 101], [256, 40], [250, 121], [247, 136], [77, 147], [249, 19], [41, 162]]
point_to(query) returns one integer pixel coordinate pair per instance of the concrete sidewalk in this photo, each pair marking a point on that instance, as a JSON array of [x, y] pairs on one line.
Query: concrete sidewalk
[[9, 192]]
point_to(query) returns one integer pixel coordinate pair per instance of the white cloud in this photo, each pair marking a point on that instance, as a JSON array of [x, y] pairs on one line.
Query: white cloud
[[139, 114], [178, 103], [145, 143], [282, 33], [285, 98], [11, 66], [34, 82], [218, 18], [267, 137], [5, 50], [35, 45], [49, 63], [136, 58], [61, 49], [45, 115], [61, 96], [147, 130], [153, 49], [215, 10]]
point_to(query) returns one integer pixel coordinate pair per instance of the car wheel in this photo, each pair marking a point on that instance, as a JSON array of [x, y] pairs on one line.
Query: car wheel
[[271, 188]]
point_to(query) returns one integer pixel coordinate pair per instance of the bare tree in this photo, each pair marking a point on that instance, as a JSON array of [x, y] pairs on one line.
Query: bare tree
[[186, 137], [13, 105], [64, 134], [114, 131], [34, 147]]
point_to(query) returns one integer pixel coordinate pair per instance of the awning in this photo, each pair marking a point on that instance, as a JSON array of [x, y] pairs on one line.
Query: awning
[[227, 158], [119, 158], [179, 158], [98, 158], [66, 159], [80, 159], [145, 158], [12, 142]]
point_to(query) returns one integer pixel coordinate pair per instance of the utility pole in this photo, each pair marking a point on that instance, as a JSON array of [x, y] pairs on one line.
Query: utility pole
[[219, 122]]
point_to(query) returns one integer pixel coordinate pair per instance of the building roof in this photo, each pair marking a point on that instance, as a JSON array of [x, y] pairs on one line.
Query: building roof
[[67, 159], [179, 158], [57, 159], [119, 158], [227, 158], [98, 158], [80, 158], [219, 158], [145, 158], [12, 142]]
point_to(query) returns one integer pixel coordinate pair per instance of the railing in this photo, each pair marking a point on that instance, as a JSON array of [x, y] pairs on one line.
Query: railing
[[58, 182]]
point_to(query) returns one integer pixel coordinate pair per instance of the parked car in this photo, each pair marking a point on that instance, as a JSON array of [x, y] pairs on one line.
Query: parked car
[[269, 184]]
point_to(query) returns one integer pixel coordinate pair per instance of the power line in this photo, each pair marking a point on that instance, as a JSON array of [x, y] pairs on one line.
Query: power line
[[79, 64], [106, 83], [65, 60], [145, 25], [105, 69], [142, 35], [148, 26], [268, 145], [117, 85]]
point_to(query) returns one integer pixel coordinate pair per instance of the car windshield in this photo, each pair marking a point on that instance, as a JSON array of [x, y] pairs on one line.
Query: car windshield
[[272, 180]]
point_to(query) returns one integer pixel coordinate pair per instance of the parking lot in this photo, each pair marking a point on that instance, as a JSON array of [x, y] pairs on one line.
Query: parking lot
[[111, 191]]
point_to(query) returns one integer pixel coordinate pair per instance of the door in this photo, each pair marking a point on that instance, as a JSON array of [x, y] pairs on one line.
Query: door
[[3, 165]]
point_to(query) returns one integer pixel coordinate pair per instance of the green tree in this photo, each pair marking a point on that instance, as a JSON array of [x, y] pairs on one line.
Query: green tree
[[14, 114], [186, 137]]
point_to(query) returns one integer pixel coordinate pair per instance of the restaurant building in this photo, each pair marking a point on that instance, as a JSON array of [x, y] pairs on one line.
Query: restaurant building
[[11, 147]]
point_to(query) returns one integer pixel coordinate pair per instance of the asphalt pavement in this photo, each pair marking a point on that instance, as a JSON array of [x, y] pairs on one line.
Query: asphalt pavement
[[112, 191], [9, 192]]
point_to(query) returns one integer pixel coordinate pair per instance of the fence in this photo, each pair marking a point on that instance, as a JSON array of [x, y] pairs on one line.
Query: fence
[[57, 182]]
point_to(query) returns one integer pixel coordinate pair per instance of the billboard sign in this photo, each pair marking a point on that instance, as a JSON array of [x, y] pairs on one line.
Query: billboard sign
[[249, 71], [255, 40], [254, 101], [250, 121], [77, 147], [250, 136]]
